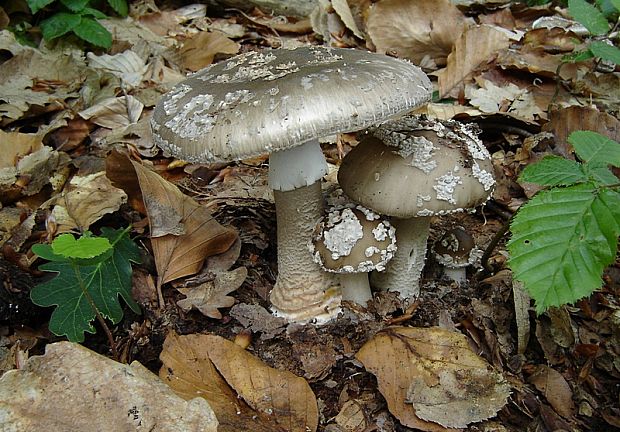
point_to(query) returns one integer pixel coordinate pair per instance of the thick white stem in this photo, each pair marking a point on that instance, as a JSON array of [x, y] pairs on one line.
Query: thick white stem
[[355, 287], [296, 167], [303, 292], [404, 271]]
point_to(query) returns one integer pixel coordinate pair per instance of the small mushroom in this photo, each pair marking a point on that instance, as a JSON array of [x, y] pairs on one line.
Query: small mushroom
[[281, 102], [455, 251], [413, 168], [353, 241]]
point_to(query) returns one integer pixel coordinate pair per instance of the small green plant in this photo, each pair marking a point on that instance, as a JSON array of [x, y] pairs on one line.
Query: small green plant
[[92, 273], [595, 18], [78, 17], [565, 236]]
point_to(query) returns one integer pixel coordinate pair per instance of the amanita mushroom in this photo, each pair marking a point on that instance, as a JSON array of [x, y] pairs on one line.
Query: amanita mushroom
[[280, 102], [353, 241], [455, 251], [413, 168]]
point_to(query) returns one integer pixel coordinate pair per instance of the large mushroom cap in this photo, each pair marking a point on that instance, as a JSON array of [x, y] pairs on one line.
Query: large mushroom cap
[[418, 167], [259, 102]]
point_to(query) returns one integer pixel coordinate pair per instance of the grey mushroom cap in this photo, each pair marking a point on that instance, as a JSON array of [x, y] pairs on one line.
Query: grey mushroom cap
[[414, 166], [456, 248], [260, 102]]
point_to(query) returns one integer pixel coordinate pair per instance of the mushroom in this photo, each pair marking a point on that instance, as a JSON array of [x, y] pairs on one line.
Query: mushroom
[[353, 241], [456, 250], [413, 168], [280, 102]]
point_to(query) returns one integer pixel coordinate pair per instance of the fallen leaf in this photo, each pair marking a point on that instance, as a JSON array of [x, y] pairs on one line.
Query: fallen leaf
[[351, 417], [475, 48], [127, 66], [343, 10], [431, 378], [522, 306], [72, 388], [258, 320], [199, 51], [423, 31], [556, 390], [15, 145], [209, 296], [116, 112], [264, 399]]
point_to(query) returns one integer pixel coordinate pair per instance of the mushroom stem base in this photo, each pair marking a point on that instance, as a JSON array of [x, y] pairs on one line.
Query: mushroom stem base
[[356, 288], [403, 273], [303, 292]]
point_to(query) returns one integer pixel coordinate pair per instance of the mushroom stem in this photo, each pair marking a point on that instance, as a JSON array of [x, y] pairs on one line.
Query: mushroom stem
[[303, 291], [355, 287], [403, 273]]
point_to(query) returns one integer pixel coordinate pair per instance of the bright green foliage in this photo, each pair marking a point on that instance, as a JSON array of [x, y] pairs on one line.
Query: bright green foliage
[[565, 236], [76, 16], [589, 16], [605, 51], [84, 284]]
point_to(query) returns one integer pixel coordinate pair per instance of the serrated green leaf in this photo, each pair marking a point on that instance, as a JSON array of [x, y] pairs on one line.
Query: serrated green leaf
[[91, 31], [562, 240], [119, 6], [75, 5], [83, 248], [589, 16], [594, 148], [103, 283], [45, 251], [600, 174], [578, 56], [93, 12], [59, 24], [605, 51], [553, 171], [37, 5]]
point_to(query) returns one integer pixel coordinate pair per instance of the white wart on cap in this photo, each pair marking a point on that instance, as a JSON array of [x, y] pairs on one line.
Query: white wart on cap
[[455, 251], [353, 241], [413, 168], [280, 102]]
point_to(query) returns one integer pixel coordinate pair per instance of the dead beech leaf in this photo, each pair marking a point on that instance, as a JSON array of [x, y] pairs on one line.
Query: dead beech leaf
[[431, 378], [115, 112], [71, 388], [15, 145], [199, 51], [475, 48], [281, 401], [556, 390], [423, 31], [522, 306], [209, 296]]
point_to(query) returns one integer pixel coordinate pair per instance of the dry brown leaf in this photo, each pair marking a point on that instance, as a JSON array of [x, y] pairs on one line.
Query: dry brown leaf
[[423, 31], [128, 66], [522, 306], [199, 51], [431, 377], [474, 49], [115, 112], [209, 296], [71, 388], [351, 417], [343, 10], [556, 390], [281, 401], [183, 232], [15, 145], [85, 200]]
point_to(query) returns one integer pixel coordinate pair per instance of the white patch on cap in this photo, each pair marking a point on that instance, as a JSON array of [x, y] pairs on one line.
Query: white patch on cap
[[170, 103], [344, 235], [446, 184], [193, 120], [484, 177]]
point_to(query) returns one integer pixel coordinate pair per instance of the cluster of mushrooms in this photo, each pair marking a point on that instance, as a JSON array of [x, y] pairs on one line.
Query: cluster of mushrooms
[[282, 101]]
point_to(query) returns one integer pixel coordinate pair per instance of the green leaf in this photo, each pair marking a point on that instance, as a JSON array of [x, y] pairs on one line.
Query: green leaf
[[93, 12], [562, 240], [616, 4], [45, 251], [578, 56], [594, 148], [75, 5], [59, 24], [553, 171], [91, 31], [600, 174], [75, 286], [589, 16], [605, 51], [84, 247], [119, 6], [37, 5]]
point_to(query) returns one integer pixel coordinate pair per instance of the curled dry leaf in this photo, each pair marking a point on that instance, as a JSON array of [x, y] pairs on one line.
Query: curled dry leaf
[[71, 388], [127, 66], [15, 145], [431, 378], [556, 390], [475, 47], [209, 296], [263, 400], [115, 112], [199, 51], [422, 31]]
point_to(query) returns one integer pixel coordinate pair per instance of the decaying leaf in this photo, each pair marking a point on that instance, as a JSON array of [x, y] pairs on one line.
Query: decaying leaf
[[72, 388], [85, 200], [128, 66], [522, 306], [209, 296], [199, 51], [351, 417], [116, 112], [15, 145], [422, 31], [431, 378], [208, 366], [556, 390], [474, 49]]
